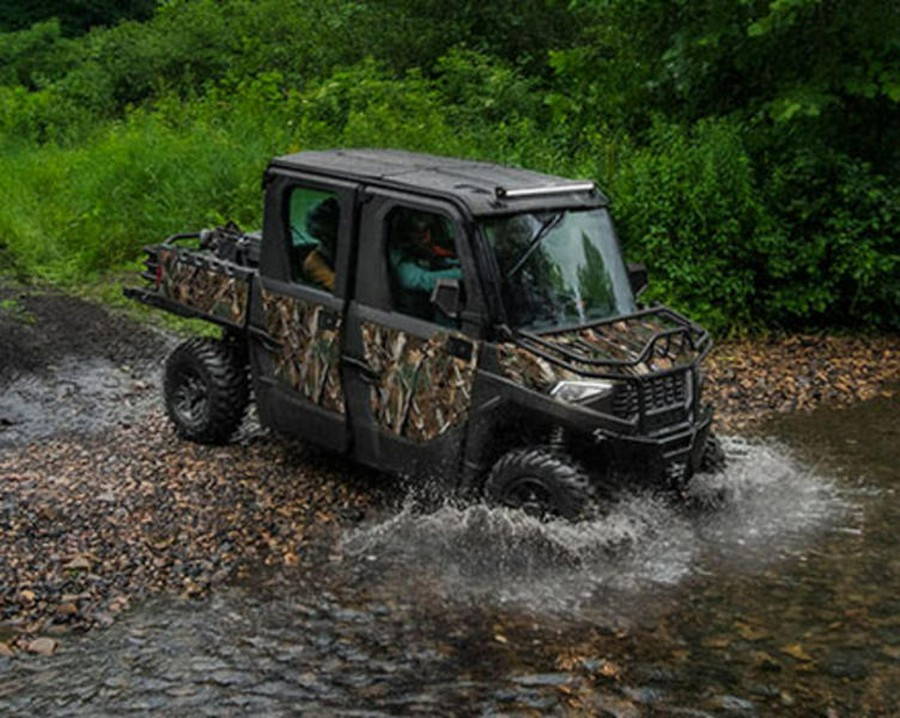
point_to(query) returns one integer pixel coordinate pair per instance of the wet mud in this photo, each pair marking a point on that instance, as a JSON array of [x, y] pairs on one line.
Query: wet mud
[[67, 366]]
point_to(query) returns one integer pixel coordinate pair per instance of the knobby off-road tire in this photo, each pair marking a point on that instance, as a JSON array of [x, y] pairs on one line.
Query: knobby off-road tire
[[541, 483], [206, 390], [713, 459]]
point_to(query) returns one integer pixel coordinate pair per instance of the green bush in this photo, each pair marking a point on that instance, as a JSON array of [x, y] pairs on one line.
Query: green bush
[[839, 257], [758, 192], [686, 206]]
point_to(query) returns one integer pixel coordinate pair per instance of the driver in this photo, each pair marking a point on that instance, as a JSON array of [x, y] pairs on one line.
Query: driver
[[421, 252]]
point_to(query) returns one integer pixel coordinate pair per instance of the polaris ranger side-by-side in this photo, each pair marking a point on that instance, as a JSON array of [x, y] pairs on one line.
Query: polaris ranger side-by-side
[[451, 321]]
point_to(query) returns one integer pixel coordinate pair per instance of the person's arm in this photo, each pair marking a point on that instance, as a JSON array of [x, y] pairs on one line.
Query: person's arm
[[411, 276], [317, 270]]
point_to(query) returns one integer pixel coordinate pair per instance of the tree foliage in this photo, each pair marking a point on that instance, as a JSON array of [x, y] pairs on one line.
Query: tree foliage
[[750, 146], [75, 17]]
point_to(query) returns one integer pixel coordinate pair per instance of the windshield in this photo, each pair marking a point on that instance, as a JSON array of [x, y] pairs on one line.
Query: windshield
[[559, 268]]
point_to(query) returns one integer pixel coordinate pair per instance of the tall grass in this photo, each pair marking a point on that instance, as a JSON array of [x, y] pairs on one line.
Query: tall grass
[[73, 211], [70, 212]]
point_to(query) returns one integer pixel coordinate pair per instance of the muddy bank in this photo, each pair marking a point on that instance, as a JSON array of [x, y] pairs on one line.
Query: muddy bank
[[100, 504]]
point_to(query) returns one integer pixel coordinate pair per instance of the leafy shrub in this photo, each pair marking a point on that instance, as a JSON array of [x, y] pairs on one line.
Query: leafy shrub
[[760, 192], [687, 207], [839, 258]]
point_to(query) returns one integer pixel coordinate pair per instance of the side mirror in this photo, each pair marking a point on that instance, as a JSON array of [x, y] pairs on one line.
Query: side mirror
[[447, 296], [637, 277]]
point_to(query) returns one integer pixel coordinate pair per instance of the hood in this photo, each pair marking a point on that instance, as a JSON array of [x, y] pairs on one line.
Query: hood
[[649, 342]]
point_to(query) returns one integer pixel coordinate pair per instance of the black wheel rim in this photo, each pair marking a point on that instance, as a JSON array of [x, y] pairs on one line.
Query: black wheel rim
[[190, 400], [530, 495]]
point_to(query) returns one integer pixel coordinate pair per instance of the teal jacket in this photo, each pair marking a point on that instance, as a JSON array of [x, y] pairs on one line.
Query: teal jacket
[[416, 277]]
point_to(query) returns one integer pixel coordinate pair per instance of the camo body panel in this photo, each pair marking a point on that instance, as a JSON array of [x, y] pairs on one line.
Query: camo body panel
[[620, 341], [309, 357], [529, 370], [423, 390], [215, 293]]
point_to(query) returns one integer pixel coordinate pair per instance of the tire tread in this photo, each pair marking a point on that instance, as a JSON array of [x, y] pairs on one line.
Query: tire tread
[[228, 388]]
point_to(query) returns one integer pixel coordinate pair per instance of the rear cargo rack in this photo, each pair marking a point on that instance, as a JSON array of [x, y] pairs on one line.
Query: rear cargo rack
[[151, 263]]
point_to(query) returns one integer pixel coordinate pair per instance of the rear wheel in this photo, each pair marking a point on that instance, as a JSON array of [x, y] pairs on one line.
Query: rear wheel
[[541, 483], [206, 390]]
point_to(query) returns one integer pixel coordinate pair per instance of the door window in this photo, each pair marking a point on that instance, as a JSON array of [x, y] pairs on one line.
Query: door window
[[314, 218], [421, 248]]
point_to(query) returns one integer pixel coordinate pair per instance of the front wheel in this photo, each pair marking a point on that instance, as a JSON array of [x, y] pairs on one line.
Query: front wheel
[[206, 390], [713, 459], [541, 483]]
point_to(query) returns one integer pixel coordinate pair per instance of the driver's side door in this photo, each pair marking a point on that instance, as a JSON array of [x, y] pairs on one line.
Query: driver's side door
[[410, 367]]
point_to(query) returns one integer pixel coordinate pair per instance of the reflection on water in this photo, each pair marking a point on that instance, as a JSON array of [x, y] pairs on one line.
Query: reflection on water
[[783, 599]]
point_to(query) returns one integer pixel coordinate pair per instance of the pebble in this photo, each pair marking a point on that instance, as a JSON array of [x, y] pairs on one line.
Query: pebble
[[43, 646]]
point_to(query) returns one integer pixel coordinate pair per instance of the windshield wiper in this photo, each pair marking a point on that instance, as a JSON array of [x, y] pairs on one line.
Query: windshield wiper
[[548, 224]]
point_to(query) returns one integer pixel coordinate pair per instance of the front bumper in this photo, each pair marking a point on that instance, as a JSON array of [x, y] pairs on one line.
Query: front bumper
[[666, 459]]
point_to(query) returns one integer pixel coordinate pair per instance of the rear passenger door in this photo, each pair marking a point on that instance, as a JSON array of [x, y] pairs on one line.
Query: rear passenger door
[[297, 311], [410, 369]]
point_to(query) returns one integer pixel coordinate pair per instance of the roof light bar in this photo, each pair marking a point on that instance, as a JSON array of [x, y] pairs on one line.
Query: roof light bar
[[503, 193]]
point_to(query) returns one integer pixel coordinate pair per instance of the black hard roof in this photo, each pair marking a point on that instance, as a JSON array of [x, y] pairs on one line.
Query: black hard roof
[[472, 183]]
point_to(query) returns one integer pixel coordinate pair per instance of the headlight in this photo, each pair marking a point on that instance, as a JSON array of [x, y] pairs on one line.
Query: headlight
[[579, 391]]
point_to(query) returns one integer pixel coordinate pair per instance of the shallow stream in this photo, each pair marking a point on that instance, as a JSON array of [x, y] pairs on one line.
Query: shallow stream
[[783, 599]]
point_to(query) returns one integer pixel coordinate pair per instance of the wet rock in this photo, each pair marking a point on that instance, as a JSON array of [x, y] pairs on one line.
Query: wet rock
[[751, 633], [545, 679], [644, 695], [848, 667], [734, 705], [765, 662], [231, 678], [79, 563], [43, 646], [795, 650], [606, 706], [66, 611]]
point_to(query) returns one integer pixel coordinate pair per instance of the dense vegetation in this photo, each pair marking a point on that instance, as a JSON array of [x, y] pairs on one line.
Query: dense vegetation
[[750, 147]]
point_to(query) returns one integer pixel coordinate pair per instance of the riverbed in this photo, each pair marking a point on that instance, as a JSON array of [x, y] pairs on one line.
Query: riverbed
[[266, 578], [779, 598]]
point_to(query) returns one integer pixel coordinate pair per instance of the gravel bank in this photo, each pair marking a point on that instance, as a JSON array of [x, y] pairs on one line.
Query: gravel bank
[[112, 508]]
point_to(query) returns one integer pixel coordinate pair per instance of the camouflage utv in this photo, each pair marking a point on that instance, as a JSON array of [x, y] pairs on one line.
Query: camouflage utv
[[459, 323]]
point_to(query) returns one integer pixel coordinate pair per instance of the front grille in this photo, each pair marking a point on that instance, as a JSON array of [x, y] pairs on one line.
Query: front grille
[[664, 391], [654, 395], [626, 402]]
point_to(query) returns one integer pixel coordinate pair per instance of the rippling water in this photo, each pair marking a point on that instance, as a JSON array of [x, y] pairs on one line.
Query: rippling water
[[774, 592]]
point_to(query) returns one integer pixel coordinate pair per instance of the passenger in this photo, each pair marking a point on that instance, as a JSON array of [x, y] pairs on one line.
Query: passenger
[[425, 254], [322, 224]]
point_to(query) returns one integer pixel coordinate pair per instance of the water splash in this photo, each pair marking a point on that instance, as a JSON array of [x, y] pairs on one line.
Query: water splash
[[767, 505], [773, 504]]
